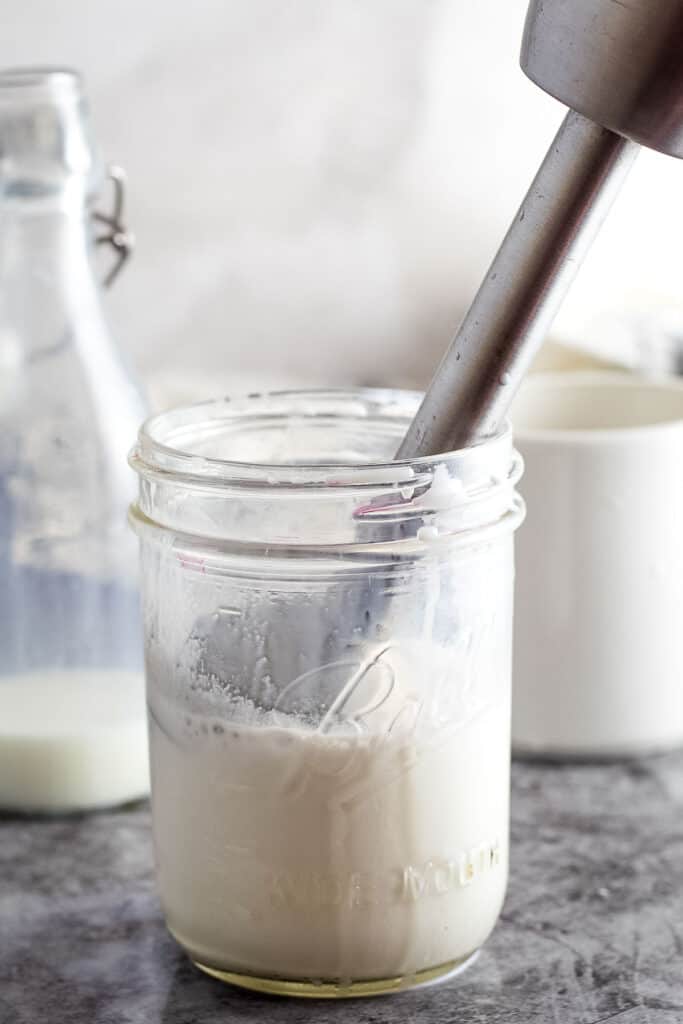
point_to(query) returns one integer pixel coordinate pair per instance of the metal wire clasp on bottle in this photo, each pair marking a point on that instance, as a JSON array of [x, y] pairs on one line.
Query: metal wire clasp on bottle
[[117, 235]]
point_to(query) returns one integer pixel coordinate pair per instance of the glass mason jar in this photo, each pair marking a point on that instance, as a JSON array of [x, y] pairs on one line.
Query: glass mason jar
[[328, 666], [72, 711]]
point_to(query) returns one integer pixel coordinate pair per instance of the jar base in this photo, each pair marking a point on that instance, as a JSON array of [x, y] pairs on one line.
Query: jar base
[[338, 989]]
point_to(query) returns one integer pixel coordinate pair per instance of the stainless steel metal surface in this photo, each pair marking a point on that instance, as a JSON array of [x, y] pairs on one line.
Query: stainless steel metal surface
[[618, 62], [619, 65], [523, 288]]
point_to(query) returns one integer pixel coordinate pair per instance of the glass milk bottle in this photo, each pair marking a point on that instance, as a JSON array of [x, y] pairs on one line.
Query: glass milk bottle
[[72, 731]]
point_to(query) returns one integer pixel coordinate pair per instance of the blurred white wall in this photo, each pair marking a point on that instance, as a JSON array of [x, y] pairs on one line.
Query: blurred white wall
[[317, 187]]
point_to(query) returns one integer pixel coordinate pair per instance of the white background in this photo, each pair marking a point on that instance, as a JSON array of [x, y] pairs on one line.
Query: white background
[[317, 186]]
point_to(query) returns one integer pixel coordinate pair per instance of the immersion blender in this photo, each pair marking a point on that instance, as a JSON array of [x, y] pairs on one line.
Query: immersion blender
[[618, 64]]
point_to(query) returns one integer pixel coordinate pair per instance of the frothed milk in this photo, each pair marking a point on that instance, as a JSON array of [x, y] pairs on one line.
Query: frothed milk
[[368, 850]]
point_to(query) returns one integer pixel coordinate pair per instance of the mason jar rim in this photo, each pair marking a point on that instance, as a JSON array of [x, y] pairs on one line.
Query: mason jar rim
[[154, 454], [304, 505]]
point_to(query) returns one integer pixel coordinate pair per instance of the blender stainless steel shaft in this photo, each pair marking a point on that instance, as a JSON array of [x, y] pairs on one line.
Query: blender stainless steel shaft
[[618, 64]]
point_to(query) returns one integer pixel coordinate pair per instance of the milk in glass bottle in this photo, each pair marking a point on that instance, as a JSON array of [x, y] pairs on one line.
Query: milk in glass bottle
[[72, 732]]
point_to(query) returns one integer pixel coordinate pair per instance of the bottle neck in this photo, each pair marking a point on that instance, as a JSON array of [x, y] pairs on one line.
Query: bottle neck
[[55, 348], [48, 175], [46, 151], [45, 233], [54, 338], [47, 277]]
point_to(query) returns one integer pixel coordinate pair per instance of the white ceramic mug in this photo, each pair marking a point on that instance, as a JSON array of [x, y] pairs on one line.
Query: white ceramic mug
[[598, 661]]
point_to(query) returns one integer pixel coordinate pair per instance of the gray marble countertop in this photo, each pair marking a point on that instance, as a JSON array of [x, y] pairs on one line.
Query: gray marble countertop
[[592, 929]]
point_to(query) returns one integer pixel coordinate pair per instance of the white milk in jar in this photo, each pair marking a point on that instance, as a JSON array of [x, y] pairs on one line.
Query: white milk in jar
[[352, 855], [327, 639]]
